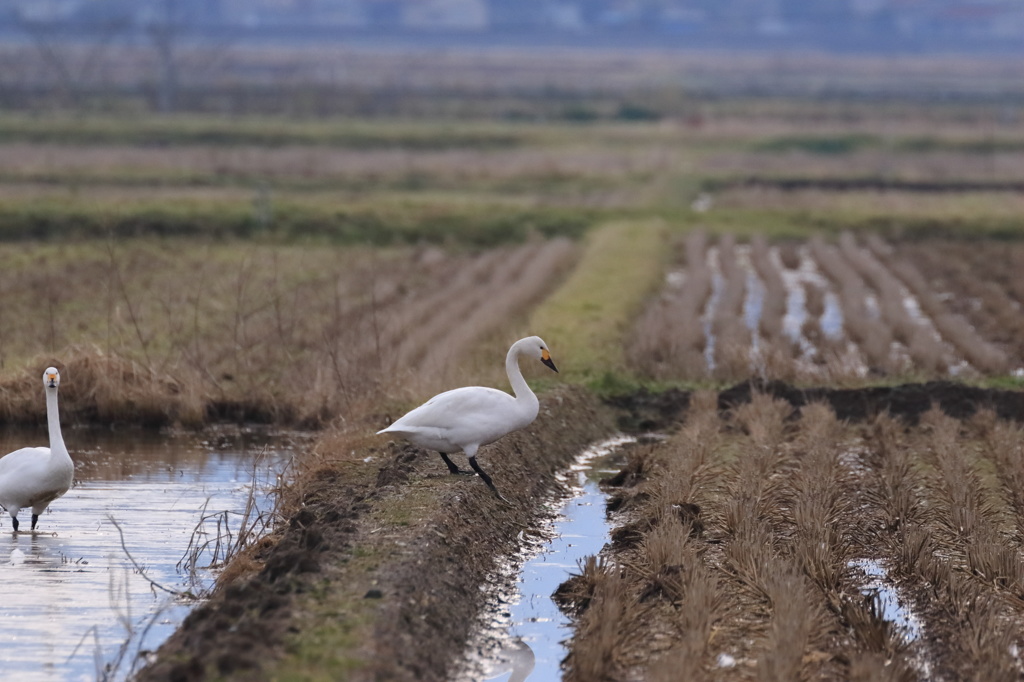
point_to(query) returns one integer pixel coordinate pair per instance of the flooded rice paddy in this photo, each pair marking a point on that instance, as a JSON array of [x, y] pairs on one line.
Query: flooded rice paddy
[[524, 637], [78, 601]]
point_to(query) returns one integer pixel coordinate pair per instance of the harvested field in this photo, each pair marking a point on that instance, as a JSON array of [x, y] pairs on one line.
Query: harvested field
[[859, 535], [848, 509], [861, 308]]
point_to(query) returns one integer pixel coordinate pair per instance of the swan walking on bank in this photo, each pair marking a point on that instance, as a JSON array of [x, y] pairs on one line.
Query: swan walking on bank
[[466, 418], [35, 477]]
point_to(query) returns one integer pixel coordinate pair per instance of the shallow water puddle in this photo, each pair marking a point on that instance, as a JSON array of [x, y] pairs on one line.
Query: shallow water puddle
[[894, 608], [74, 605], [524, 637]]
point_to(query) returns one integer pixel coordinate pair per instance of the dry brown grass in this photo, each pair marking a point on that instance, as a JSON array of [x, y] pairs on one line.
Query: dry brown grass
[[670, 332], [175, 332]]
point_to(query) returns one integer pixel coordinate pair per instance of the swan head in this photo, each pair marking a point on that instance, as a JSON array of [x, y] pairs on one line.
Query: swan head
[[51, 378], [534, 346]]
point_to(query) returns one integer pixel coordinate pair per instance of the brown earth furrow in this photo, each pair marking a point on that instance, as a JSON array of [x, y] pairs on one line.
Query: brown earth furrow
[[731, 337], [774, 307], [872, 336], [670, 333], [925, 350], [419, 310], [459, 303], [982, 355], [986, 275], [525, 281]]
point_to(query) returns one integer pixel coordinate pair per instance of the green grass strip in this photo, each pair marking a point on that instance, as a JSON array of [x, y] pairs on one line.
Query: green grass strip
[[287, 222], [586, 320]]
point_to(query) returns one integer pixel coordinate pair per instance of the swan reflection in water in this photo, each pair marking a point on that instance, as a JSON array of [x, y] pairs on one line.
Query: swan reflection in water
[[37, 551], [516, 656]]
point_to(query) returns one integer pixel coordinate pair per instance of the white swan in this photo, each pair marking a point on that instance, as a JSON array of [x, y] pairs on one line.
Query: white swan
[[35, 477], [466, 418]]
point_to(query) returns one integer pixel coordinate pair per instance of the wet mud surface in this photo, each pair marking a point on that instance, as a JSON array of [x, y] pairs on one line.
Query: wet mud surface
[[906, 401], [432, 539]]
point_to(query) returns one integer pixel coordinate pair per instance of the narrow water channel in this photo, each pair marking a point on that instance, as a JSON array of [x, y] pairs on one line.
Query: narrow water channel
[[77, 605], [525, 633]]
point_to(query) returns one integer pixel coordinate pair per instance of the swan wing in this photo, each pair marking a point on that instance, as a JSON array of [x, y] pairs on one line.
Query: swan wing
[[459, 406], [28, 477], [23, 462], [464, 416]]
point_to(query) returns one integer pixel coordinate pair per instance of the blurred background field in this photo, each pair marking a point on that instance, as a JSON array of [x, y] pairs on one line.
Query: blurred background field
[[217, 205]]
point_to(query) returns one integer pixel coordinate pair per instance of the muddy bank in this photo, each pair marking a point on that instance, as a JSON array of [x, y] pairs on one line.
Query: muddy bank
[[907, 401], [376, 575], [650, 411]]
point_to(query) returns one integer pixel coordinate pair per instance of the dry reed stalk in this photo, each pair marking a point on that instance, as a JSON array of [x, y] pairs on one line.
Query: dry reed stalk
[[982, 355], [660, 551], [789, 644], [793, 648], [605, 627], [873, 337], [419, 309], [1004, 446], [959, 551], [822, 501], [962, 507], [757, 494], [825, 347], [702, 607]]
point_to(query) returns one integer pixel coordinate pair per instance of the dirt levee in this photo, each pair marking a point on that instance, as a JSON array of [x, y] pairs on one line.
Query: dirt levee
[[378, 577], [908, 401]]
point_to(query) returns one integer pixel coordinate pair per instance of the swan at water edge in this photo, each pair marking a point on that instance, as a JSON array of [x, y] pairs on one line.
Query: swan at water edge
[[463, 419], [35, 477]]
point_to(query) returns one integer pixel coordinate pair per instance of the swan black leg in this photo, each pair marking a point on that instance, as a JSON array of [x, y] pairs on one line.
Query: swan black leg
[[454, 469], [35, 517], [486, 478], [14, 520]]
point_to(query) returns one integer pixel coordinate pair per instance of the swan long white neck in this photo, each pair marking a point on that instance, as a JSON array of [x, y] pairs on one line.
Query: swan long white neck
[[53, 422], [520, 388]]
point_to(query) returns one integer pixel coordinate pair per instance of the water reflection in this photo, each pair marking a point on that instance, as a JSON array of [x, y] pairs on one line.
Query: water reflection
[[532, 629], [516, 657], [73, 603]]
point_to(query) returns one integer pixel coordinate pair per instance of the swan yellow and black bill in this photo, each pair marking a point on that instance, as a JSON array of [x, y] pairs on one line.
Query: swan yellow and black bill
[[545, 357]]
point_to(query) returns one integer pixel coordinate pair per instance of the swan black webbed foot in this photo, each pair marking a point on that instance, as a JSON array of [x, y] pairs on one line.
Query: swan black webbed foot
[[35, 519], [14, 522], [453, 468]]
